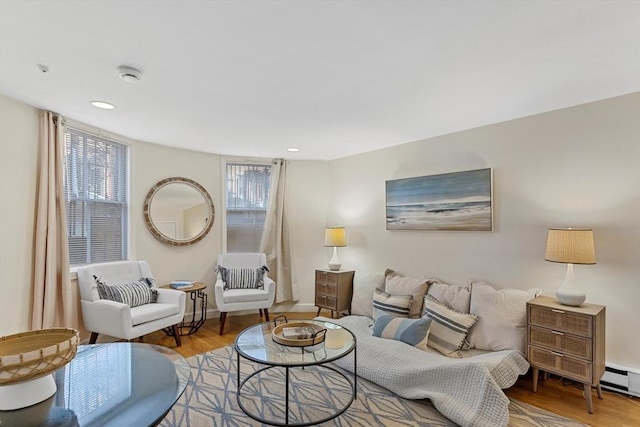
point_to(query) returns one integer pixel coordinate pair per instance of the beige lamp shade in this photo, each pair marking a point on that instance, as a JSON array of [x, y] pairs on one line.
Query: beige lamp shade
[[335, 237], [570, 246]]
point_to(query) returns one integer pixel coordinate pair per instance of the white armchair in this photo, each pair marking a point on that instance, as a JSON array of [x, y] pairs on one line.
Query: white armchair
[[243, 299], [103, 316]]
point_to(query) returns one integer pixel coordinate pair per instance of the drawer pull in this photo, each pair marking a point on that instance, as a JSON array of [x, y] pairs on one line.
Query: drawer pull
[[557, 311], [557, 354], [557, 333]]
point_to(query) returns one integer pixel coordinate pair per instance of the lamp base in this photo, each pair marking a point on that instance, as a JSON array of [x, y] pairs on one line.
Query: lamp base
[[334, 262], [569, 293], [568, 297]]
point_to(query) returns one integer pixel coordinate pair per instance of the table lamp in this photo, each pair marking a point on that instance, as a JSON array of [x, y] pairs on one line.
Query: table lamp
[[336, 237], [570, 246]]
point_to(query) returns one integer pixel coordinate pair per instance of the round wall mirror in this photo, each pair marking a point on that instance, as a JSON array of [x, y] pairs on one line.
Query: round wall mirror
[[178, 211]]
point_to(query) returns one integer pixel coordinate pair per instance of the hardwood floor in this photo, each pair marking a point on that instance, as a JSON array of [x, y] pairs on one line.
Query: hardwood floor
[[554, 394]]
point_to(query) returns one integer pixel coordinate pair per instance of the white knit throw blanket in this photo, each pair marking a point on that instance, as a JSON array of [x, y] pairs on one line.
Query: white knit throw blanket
[[468, 391]]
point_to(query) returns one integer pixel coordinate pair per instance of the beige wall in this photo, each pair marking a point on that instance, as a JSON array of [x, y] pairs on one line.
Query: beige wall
[[18, 160], [573, 167]]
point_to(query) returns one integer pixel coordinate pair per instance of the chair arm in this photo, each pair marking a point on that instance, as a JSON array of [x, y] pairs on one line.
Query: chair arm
[[218, 289], [106, 317], [270, 287], [173, 296]]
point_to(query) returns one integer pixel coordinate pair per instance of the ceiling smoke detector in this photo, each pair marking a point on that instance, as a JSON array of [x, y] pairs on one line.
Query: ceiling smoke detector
[[129, 74]]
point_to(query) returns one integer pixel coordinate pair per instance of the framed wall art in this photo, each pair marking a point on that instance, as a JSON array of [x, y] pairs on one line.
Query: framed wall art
[[458, 201]]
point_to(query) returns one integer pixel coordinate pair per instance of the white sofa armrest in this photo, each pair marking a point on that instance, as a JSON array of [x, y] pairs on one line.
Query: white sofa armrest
[[172, 296], [110, 317], [218, 291], [270, 287]]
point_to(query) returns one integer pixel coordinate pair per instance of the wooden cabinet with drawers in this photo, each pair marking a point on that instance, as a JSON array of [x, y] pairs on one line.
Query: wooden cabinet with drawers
[[334, 290], [567, 341]]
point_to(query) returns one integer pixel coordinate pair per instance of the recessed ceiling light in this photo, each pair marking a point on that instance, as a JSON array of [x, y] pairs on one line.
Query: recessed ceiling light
[[293, 149], [103, 105]]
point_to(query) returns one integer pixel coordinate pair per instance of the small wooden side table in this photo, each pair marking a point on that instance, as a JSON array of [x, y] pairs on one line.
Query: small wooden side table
[[334, 290], [567, 341], [199, 298]]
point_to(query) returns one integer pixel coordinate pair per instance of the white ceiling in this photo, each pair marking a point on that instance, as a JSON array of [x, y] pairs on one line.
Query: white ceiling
[[334, 78]]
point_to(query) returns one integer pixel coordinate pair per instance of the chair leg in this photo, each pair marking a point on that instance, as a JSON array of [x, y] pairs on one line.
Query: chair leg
[[223, 318], [266, 314], [176, 334], [260, 312], [94, 338]]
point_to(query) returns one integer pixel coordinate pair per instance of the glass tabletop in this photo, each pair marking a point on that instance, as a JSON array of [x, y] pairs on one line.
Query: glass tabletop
[[112, 384], [256, 343]]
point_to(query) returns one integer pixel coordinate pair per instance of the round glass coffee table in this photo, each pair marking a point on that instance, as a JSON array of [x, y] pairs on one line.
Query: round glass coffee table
[[291, 385], [113, 384]]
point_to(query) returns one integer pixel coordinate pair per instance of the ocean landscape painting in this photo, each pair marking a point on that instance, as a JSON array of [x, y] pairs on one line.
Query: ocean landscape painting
[[460, 201]]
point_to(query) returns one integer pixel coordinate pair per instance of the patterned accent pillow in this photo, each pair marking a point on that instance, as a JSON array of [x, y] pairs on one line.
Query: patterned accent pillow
[[414, 332], [133, 294], [242, 278], [396, 284], [449, 328], [394, 305]]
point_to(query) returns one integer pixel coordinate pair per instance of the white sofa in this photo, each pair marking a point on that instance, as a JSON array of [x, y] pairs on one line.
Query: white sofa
[[467, 389]]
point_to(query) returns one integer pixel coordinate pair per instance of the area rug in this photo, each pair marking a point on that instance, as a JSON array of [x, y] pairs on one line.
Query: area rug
[[315, 393]]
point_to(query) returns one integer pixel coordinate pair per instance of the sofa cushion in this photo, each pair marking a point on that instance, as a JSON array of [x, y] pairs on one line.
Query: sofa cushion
[[242, 278], [414, 332], [245, 295], [133, 293], [364, 284], [502, 317], [394, 305], [449, 328], [396, 284], [455, 297], [148, 312]]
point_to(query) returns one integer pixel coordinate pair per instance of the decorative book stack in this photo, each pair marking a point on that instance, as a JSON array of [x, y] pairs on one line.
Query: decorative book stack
[[182, 284]]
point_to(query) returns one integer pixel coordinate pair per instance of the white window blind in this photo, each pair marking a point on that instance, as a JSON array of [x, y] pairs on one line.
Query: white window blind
[[96, 197], [247, 193]]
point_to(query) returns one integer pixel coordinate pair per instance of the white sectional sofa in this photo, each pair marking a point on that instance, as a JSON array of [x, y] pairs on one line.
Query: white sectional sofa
[[465, 384]]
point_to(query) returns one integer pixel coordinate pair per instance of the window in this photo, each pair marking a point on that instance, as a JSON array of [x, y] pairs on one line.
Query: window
[[247, 190], [96, 197]]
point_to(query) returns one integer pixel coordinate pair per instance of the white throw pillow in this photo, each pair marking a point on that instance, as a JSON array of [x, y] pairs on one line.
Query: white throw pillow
[[364, 284], [400, 285], [502, 317], [455, 297]]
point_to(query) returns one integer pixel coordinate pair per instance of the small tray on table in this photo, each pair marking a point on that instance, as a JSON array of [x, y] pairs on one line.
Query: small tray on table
[[298, 333]]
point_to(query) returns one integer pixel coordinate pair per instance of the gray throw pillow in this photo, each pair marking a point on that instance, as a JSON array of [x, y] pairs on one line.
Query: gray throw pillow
[[242, 278], [133, 294]]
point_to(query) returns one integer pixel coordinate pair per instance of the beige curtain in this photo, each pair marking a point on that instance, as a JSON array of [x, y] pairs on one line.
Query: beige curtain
[[53, 299], [275, 236]]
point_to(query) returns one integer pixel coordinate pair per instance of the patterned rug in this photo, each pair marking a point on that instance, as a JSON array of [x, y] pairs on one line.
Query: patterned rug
[[315, 393]]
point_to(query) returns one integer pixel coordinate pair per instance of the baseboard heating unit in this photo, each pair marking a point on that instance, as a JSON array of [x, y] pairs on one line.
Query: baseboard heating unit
[[621, 379]]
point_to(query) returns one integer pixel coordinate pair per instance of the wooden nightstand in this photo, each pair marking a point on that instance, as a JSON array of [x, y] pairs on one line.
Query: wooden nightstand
[[334, 290], [567, 341]]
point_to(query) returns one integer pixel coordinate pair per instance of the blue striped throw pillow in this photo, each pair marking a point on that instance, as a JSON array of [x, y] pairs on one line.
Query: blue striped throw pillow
[[242, 278], [394, 305], [414, 332], [449, 328], [133, 294]]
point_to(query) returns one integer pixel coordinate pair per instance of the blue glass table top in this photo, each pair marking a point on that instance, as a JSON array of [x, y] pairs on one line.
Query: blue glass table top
[[116, 384]]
